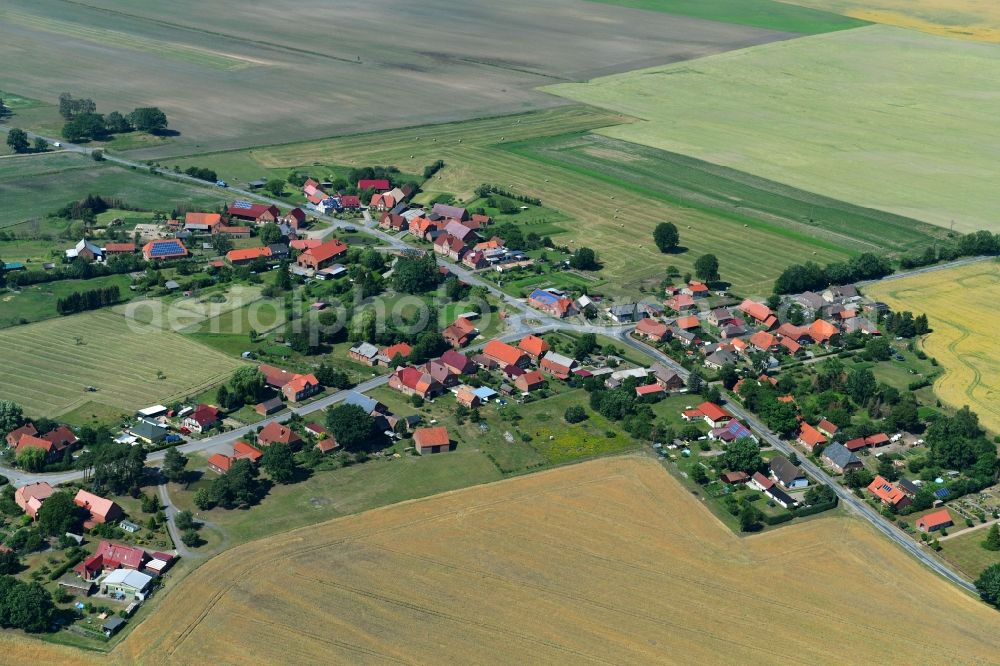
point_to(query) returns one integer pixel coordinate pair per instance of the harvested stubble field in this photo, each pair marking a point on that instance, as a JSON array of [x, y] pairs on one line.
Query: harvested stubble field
[[964, 324], [599, 209], [46, 371], [880, 117], [605, 562], [33, 186], [228, 76], [977, 20]]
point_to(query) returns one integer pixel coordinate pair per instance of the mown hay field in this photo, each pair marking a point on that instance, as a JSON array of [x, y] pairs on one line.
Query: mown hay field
[[959, 303], [604, 562], [46, 371], [881, 117], [978, 20], [296, 69], [615, 217]]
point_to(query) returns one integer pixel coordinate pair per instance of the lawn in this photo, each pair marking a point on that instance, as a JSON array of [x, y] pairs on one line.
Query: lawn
[[48, 365], [911, 136], [125, 54], [38, 301], [965, 553], [770, 14], [963, 332]]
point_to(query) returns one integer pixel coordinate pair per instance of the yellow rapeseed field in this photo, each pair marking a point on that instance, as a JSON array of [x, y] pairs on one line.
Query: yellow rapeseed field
[[607, 562], [960, 305], [978, 20]]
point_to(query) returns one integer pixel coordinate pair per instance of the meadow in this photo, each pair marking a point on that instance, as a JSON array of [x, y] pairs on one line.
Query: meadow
[[198, 60], [38, 301], [596, 203], [961, 19], [610, 561], [48, 365], [33, 186], [911, 136], [958, 304]]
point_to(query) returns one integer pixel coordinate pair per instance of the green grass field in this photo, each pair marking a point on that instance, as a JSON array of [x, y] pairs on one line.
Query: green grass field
[[965, 553], [763, 204], [46, 370], [879, 117], [769, 14], [38, 301], [34, 186]]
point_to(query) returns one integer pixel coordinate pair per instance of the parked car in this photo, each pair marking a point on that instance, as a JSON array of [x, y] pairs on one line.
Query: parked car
[[221, 183]]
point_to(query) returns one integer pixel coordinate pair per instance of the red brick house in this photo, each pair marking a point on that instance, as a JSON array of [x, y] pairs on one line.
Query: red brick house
[[257, 213], [204, 417], [457, 363], [110, 556], [459, 333], [14, 435], [938, 520], [530, 381], [301, 387], [411, 381], [811, 438], [276, 432], [323, 255], [101, 510], [652, 329]]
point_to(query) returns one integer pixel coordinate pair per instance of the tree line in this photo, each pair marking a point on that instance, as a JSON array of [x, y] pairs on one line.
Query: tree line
[[92, 299], [485, 190], [83, 121]]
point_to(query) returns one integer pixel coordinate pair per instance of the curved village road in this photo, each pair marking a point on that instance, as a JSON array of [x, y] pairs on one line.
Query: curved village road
[[524, 320]]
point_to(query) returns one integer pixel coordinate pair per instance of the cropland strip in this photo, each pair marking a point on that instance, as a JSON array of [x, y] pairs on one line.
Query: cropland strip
[[911, 134], [769, 14], [48, 366], [962, 19], [604, 562], [229, 77], [688, 181], [960, 306]]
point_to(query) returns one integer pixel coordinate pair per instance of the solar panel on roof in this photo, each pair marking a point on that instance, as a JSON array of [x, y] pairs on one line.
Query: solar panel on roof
[[242, 204]]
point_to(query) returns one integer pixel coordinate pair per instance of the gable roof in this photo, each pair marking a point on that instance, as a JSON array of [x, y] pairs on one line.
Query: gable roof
[[652, 327], [502, 352], [243, 450], [327, 250], [784, 470], [934, 520], [533, 345], [301, 382], [427, 437], [209, 219], [97, 505], [822, 331], [885, 491], [762, 340], [686, 323], [713, 411], [758, 311], [840, 455], [276, 432], [809, 435]]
